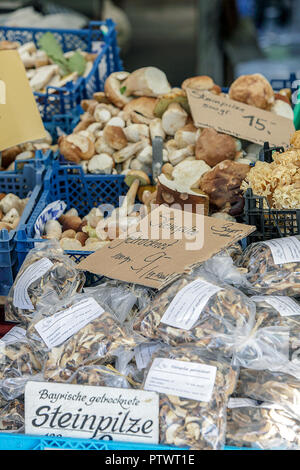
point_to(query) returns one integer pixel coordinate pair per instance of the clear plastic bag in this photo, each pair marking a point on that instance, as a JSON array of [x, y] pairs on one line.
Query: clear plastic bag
[[261, 426], [223, 268], [273, 267], [198, 309], [20, 361], [281, 311], [12, 416], [45, 277], [95, 343], [271, 386], [200, 425]]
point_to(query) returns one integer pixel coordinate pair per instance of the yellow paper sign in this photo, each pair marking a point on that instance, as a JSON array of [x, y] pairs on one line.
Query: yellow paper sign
[[20, 120]]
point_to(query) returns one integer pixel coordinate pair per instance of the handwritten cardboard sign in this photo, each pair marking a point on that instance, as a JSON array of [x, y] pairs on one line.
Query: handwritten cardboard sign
[[20, 120], [168, 243], [238, 119], [107, 413]]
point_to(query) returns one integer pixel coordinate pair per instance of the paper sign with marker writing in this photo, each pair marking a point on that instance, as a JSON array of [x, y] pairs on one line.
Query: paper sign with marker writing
[[168, 243], [238, 119], [20, 120]]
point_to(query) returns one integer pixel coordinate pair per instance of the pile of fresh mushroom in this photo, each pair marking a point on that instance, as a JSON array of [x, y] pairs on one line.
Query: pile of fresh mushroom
[[116, 132], [11, 209], [24, 152], [94, 230]]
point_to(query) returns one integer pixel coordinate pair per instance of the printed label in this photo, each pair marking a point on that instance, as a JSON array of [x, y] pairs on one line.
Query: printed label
[[53, 409], [14, 335], [186, 307], [285, 306], [144, 352], [180, 378], [62, 325], [241, 403], [285, 250], [30, 275]]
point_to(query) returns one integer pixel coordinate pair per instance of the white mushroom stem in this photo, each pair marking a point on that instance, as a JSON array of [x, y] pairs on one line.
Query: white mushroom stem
[[128, 151], [147, 81], [156, 129], [179, 155], [174, 118], [135, 132]]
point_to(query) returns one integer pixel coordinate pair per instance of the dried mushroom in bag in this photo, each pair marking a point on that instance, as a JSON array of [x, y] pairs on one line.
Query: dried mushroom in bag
[[284, 312], [273, 267], [12, 416], [20, 361], [198, 309], [45, 277], [105, 376], [261, 426], [193, 386], [95, 343], [277, 387]]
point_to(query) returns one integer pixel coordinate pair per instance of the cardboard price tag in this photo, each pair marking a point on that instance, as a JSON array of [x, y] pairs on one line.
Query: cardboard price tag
[[238, 119], [20, 120], [168, 243]]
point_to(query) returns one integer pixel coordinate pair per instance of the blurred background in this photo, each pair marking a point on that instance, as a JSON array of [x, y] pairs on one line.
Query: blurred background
[[220, 38]]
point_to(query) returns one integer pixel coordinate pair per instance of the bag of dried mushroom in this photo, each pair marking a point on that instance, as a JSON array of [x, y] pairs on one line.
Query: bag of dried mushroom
[[45, 277], [273, 267], [280, 388], [20, 361], [95, 343], [193, 386], [12, 415], [198, 309], [262, 426], [284, 312]]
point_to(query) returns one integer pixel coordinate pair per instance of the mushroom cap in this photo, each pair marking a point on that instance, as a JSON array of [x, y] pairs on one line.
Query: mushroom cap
[[137, 174], [143, 105], [201, 82], [254, 90], [113, 86]]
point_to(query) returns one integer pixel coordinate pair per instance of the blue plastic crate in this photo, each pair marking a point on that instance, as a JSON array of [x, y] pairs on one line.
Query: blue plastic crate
[[26, 442], [62, 100], [21, 183], [61, 124], [79, 190]]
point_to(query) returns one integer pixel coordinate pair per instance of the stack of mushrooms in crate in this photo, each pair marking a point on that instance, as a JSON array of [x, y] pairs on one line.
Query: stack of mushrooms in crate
[[200, 166]]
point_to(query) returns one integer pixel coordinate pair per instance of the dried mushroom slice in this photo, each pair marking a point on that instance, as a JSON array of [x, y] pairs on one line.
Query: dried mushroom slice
[[264, 426], [197, 309], [19, 361], [270, 386], [46, 276], [95, 343], [200, 425], [12, 416], [273, 267], [100, 376]]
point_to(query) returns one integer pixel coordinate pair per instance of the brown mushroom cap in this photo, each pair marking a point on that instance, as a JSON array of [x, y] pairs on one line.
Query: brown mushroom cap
[[143, 105], [140, 175], [254, 90], [113, 86], [213, 147], [201, 82]]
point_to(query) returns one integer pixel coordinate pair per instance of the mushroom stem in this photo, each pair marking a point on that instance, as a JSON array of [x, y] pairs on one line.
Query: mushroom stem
[[129, 199]]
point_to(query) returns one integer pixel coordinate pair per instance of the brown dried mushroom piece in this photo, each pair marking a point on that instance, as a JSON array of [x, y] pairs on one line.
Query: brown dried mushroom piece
[[60, 281], [12, 416], [100, 376], [266, 277], [197, 424], [95, 343], [262, 428], [225, 312], [270, 386]]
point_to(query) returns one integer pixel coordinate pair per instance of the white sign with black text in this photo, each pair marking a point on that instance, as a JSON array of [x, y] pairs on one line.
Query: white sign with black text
[[53, 409]]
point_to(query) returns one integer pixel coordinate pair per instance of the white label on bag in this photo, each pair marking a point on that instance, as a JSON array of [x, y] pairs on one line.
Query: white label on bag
[[285, 306], [183, 379], [90, 412], [241, 403], [285, 250], [57, 328], [143, 353], [14, 335], [187, 305], [30, 275]]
